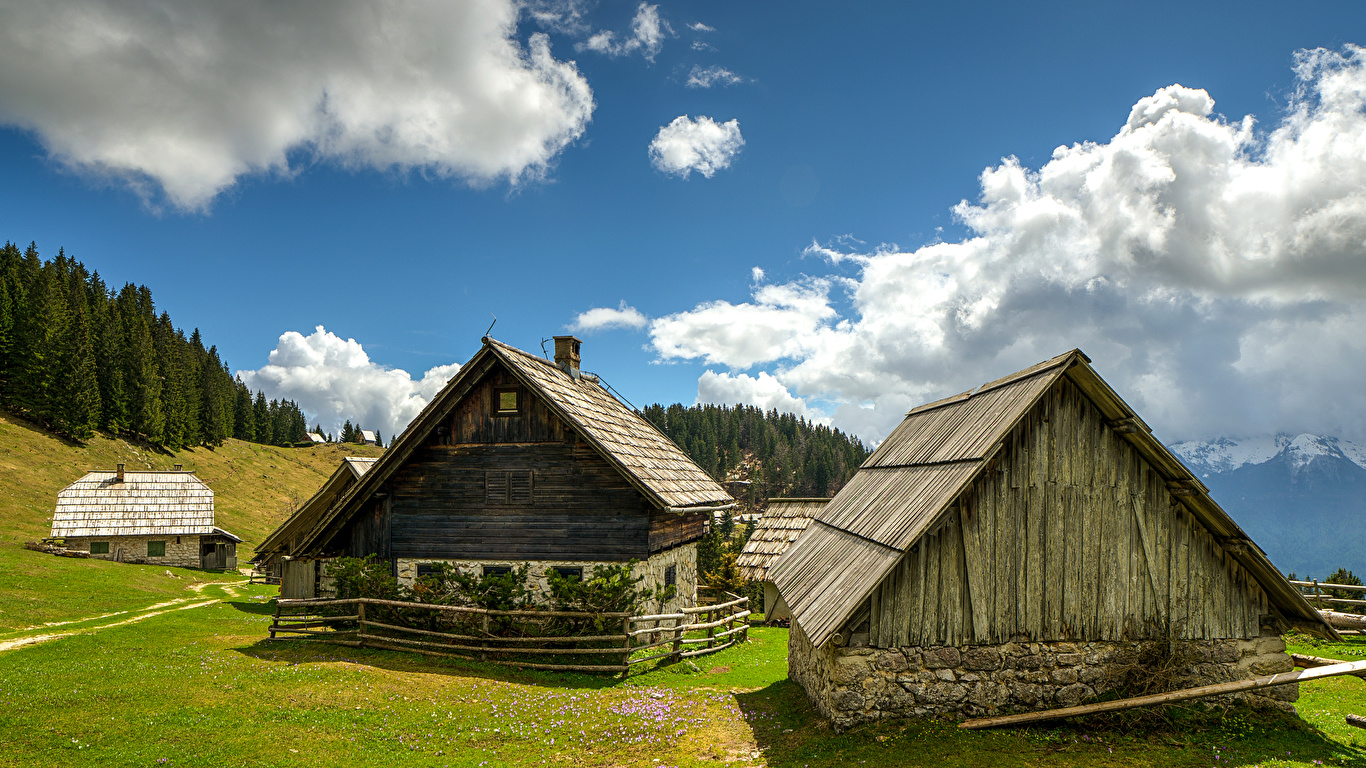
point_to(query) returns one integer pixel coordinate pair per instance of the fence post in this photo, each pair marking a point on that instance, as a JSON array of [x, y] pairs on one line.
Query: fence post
[[744, 628], [678, 638], [711, 630], [1317, 602], [626, 657], [360, 616], [485, 626], [275, 622]]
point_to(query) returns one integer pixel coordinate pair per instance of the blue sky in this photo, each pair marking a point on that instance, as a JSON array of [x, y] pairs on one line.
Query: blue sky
[[863, 126]]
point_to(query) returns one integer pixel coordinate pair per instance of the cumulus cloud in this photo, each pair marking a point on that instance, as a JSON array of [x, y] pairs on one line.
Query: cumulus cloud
[[763, 391], [183, 98], [1215, 273], [713, 75], [604, 318], [647, 35], [701, 145], [698, 26], [333, 379]]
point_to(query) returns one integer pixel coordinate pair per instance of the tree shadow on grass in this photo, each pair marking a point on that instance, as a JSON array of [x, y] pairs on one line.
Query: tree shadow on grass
[[791, 733], [256, 607]]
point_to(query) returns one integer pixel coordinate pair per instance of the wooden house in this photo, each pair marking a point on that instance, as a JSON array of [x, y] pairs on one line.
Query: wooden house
[[782, 522], [367, 437], [316, 439], [159, 518], [1019, 546], [274, 555], [521, 459]]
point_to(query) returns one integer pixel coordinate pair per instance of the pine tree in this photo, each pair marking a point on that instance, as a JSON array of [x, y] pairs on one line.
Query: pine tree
[[78, 391], [243, 421], [379, 439], [348, 433]]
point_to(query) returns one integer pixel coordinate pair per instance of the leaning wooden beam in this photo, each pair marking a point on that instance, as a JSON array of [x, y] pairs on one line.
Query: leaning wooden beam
[[1344, 620], [1310, 662], [1356, 720], [1237, 686]]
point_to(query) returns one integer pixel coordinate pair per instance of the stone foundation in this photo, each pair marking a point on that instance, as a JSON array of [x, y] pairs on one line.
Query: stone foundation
[[181, 551], [683, 558], [854, 685]]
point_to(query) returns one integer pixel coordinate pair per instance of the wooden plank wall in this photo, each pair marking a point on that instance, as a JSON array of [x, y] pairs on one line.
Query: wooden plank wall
[[1069, 536], [473, 420]]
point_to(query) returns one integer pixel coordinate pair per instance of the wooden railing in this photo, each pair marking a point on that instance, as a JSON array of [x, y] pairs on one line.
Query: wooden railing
[[345, 622], [1316, 594]]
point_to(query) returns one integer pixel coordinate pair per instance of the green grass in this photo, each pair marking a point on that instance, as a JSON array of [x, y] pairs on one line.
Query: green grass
[[201, 687], [254, 488]]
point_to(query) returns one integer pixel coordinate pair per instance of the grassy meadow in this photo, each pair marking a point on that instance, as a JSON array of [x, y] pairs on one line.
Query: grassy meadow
[[181, 674]]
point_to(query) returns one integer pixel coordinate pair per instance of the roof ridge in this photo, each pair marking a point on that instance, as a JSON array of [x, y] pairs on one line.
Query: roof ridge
[[1029, 372]]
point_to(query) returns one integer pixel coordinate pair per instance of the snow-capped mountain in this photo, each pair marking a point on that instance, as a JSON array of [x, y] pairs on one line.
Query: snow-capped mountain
[[1226, 455], [1302, 498]]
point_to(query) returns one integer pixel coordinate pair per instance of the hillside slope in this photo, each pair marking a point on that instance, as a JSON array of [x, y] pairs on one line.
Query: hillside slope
[[255, 488]]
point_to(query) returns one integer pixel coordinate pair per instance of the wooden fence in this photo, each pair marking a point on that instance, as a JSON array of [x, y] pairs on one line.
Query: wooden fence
[[689, 632], [1313, 592]]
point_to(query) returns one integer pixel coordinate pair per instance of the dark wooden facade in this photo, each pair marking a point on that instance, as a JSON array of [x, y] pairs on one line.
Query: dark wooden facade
[[514, 485]]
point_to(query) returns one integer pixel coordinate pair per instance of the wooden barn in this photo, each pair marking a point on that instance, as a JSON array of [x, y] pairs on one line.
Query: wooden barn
[[159, 518], [781, 524], [274, 555], [521, 459], [1025, 545]]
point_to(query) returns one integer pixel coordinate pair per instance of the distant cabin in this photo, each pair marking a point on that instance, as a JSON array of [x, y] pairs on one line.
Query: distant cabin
[[314, 437], [783, 520], [520, 459], [275, 554], [158, 518], [367, 437], [1020, 546]]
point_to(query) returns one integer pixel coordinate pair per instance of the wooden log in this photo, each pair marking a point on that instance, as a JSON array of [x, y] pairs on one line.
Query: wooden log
[[1326, 585], [1204, 691], [517, 664], [450, 636], [1311, 662], [483, 649], [1344, 620], [1356, 720], [705, 651]]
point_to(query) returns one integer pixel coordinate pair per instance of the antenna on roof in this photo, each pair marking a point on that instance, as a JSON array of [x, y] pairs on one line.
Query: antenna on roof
[[544, 354], [495, 322]]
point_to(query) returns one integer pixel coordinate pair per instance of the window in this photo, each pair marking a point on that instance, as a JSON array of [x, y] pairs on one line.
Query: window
[[670, 575], [569, 571], [507, 486], [497, 570], [428, 569], [156, 549], [99, 547], [506, 402]]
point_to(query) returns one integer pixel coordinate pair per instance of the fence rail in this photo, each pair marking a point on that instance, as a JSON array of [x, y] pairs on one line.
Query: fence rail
[[1316, 594], [344, 621]]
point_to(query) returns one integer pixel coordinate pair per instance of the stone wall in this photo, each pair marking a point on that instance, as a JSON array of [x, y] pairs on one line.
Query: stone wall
[[854, 685], [181, 551], [684, 558]]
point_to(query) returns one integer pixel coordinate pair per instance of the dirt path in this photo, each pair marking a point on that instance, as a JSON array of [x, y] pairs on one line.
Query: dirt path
[[36, 635]]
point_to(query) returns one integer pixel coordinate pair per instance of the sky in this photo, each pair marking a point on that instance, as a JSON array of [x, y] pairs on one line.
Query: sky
[[839, 210]]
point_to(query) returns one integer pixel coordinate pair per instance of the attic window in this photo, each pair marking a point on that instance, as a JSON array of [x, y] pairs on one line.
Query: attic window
[[506, 402], [99, 547]]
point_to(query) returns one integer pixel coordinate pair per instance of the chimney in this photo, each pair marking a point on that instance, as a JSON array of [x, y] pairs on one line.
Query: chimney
[[118, 474], [567, 355], [178, 467]]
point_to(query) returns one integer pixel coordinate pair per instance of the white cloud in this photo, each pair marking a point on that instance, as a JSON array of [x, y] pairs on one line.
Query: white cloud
[[757, 274], [763, 391], [183, 98], [333, 379], [1216, 274], [698, 26], [603, 318], [647, 35], [701, 145], [713, 75]]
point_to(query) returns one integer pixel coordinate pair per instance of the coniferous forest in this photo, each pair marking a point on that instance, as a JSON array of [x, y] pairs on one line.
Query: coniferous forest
[[78, 356], [795, 457]]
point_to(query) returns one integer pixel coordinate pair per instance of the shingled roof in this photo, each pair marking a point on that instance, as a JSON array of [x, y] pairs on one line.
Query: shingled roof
[[651, 462], [934, 455], [781, 524], [281, 540], [141, 504]]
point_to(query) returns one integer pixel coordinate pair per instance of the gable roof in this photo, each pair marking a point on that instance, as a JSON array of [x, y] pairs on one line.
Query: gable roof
[[303, 519], [934, 455], [142, 504], [781, 524], [644, 456]]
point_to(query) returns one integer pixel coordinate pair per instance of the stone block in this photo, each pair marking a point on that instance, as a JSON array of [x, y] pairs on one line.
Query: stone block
[[1064, 676], [1225, 653], [982, 658], [891, 661], [849, 700], [1072, 695], [1069, 659], [941, 658], [945, 675], [913, 661], [1270, 665], [1032, 661]]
